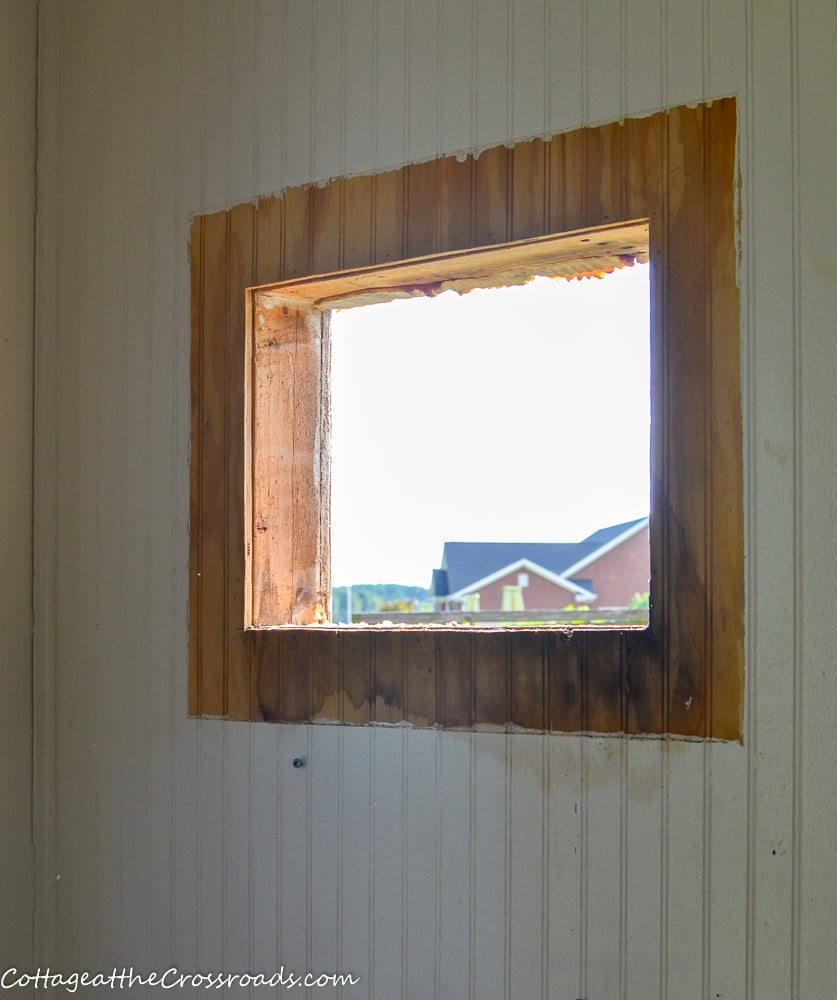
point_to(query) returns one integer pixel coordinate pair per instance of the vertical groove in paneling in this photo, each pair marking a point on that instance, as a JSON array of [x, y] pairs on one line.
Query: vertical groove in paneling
[[709, 443], [664, 978], [491, 701], [326, 221], [227, 432], [326, 690], [239, 695], [528, 687], [776, 679], [296, 232], [508, 847], [659, 453], [308, 836], [706, 871], [529, 182], [405, 855], [339, 808], [437, 879], [749, 348], [357, 221], [492, 210], [816, 71], [388, 670], [797, 621], [660, 433], [212, 380], [472, 868], [195, 575], [136, 521], [727, 452], [456, 203], [620, 945], [584, 870], [453, 660], [546, 861]]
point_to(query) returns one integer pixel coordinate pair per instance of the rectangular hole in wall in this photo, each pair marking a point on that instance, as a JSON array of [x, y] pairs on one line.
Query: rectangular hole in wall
[[490, 455]]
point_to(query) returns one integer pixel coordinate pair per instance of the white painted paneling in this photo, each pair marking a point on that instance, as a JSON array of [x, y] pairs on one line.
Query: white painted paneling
[[769, 211], [524, 813], [603, 74], [726, 876], [491, 78], [422, 79], [359, 86], [491, 780], [562, 865], [684, 51], [642, 875], [243, 90], [328, 110], [324, 859], [453, 836], [264, 837], [429, 864], [294, 888], [727, 47], [18, 67], [218, 104], [527, 67], [355, 803], [269, 98], [644, 73], [565, 66], [684, 875], [234, 820], [389, 831], [601, 868], [390, 126], [456, 68], [815, 800], [425, 855]]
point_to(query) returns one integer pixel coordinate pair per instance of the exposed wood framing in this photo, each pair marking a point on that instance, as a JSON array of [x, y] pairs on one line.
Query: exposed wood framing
[[684, 674], [288, 492]]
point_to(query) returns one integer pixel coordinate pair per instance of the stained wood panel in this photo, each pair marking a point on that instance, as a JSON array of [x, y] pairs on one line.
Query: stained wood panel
[[682, 675]]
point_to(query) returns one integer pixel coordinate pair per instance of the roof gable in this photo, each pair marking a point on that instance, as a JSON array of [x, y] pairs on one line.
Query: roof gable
[[607, 539], [573, 587], [467, 564]]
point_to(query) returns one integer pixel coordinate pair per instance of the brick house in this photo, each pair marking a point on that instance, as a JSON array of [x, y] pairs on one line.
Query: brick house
[[603, 570]]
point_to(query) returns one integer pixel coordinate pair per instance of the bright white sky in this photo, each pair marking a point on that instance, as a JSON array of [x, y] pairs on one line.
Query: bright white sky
[[512, 414]]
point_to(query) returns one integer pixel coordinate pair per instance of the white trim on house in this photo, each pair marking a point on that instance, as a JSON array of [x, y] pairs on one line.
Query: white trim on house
[[581, 593], [598, 553]]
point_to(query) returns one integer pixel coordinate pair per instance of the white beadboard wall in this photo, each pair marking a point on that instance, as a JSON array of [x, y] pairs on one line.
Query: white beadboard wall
[[18, 41], [431, 865]]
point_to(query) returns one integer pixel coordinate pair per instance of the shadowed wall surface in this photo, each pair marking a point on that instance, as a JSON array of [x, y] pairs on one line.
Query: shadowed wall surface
[[17, 271]]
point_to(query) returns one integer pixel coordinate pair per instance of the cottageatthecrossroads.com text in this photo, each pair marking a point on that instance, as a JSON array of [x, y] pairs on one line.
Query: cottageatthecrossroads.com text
[[171, 979]]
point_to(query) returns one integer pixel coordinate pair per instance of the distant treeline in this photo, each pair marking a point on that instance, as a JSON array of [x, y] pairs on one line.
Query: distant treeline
[[375, 597]]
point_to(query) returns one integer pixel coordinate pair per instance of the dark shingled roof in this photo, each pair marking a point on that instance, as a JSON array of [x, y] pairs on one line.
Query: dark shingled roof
[[605, 535], [463, 563], [439, 583]]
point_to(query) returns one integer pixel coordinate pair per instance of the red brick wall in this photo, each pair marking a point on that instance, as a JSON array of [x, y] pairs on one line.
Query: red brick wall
[[540, 593], [616, 577], [621, 572]]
